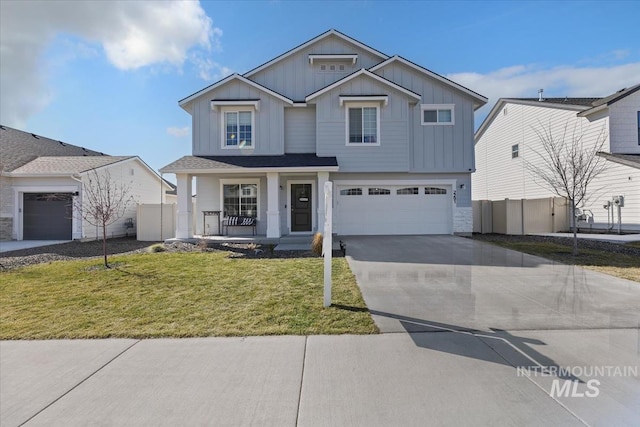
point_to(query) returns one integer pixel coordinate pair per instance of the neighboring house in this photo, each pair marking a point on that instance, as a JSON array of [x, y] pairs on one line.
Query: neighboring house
[[41, 179], [506, 140], [395, 139]]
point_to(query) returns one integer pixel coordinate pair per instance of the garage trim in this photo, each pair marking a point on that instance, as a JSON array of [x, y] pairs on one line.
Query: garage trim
[[18, 223]]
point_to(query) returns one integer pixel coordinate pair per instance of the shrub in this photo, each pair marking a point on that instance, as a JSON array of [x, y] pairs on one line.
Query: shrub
[[202, 245], [158, 247], [316, 244]]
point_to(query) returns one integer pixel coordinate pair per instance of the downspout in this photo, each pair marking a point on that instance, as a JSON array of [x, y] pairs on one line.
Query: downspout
[[79, 206]]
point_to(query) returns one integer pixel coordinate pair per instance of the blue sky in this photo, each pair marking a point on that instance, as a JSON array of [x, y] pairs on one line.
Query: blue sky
[[108, 75]]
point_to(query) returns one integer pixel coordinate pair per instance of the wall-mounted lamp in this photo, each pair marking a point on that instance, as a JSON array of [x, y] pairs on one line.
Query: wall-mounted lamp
[[281, 187], [463, 186]]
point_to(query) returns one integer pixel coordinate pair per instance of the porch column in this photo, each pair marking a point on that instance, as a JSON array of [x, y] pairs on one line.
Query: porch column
[[184, 223], [322, 178], [273, 201]]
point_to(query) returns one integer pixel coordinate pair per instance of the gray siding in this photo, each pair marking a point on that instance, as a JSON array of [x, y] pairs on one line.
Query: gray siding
[[295, 78], [300, 130], [392, 155], [269, 122], [436, 148]]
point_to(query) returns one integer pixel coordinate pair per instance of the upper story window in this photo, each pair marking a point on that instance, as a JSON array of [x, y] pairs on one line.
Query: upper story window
[[238, 129], [363, 124], [437, 114], [515, 151]]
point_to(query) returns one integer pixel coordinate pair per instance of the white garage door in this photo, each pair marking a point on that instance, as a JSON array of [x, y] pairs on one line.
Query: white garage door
[[393, 209]]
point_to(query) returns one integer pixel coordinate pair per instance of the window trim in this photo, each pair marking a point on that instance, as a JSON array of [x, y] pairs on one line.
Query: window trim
[[436, 107], [240, 181], [515, 154], [361, 105], [223, 127]]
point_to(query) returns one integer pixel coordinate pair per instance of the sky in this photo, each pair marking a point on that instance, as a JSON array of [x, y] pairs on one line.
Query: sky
[[108, 75]]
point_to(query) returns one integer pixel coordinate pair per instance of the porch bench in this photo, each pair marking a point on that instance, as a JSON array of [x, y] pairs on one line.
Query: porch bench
[[239, 221]]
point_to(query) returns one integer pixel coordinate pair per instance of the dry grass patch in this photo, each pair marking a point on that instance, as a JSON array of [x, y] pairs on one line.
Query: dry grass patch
[[179, 295]]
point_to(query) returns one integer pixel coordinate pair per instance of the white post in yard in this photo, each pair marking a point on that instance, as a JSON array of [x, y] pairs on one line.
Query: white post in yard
[[327, 241]]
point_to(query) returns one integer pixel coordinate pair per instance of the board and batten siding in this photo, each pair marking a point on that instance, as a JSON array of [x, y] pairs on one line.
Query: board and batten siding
[[392, 155], [207, 122], [498, 176], [300, 130], [295, 78], [436, 148], [623, 125]]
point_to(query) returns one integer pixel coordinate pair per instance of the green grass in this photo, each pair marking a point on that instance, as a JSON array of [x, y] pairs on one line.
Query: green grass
[[179, 295], [615, 264]]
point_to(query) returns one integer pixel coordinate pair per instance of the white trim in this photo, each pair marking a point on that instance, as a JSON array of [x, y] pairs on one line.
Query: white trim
[[481, 99], [383, 99], [223, 127], [182, 103], [367, 73], [255, 103], [313, 203], [338, 57], [231, 181], [362, 105], [331, 32], [437, 107]]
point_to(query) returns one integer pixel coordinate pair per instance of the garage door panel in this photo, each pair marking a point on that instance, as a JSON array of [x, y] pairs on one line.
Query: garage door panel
[[47, 216], [362, 213]]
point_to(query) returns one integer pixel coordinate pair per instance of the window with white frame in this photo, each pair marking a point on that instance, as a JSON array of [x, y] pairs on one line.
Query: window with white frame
[[437, 114], [240, 199], [515, 151], [351, 192], [238, 129], [363, 124]]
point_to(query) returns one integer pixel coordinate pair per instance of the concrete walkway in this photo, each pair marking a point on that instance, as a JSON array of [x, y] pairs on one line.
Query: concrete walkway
[[16, 245], [458, 357]]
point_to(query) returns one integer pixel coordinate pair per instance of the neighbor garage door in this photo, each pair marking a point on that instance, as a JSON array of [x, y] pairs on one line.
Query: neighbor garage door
[[47, 216], [393, 209]]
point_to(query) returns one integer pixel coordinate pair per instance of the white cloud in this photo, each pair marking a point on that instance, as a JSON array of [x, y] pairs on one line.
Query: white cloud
[[178, 132], [523, 81], [133, 34]]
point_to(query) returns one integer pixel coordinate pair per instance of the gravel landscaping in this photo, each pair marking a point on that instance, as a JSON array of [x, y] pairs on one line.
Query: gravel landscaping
[[93, 249]]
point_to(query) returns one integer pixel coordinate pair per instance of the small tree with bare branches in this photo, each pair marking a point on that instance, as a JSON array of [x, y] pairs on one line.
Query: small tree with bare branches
[[568, 166], [103, 202]]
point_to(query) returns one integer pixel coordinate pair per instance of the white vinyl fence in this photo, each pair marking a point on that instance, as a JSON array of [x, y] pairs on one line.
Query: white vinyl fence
[[152, 226]]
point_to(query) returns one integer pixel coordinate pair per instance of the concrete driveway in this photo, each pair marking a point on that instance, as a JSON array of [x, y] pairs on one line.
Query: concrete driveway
[[460, 284]]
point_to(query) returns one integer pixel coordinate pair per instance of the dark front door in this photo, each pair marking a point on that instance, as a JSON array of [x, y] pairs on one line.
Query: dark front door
[[301, 207]]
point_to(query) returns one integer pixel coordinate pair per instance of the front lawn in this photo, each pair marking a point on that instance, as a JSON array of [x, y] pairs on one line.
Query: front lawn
[[179, 295]]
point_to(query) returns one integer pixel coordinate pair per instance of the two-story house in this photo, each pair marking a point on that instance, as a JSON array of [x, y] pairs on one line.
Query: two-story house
[[507, 141], [395, 138]]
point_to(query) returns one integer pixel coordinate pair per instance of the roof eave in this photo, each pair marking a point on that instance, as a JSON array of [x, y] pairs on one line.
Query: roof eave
[[240, 170], [593, 110]]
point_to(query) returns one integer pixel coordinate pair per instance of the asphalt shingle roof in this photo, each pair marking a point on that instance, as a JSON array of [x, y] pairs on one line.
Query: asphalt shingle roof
[[18, 148], [616, 96], [234, 162], [581, 102], [66, 165]]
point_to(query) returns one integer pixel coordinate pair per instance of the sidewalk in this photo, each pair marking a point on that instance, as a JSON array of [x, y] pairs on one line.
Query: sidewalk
[[403, 379]]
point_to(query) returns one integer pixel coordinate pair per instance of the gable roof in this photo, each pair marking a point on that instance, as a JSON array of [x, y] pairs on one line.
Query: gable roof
[[331, 32], [183, 102], [632, 160], [575, 104], [18, 148], [480, 100], [66, 165], [603, 103], [363, 72]]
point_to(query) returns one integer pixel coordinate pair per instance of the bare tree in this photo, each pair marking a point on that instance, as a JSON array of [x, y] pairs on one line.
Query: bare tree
[[103, 202], [568, 166]]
